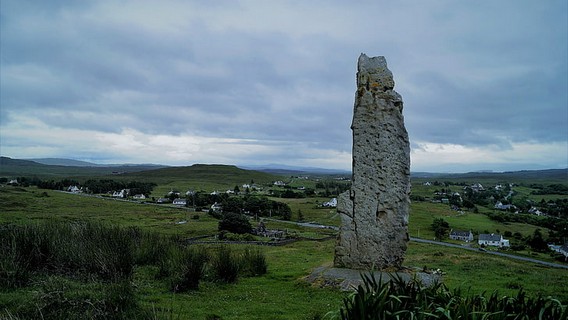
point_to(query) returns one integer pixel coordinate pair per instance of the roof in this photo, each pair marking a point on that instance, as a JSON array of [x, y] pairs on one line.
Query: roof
[[461, 233], [489, 237]]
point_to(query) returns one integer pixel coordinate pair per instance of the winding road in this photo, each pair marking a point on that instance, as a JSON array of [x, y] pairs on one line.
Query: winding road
[[506, 255]]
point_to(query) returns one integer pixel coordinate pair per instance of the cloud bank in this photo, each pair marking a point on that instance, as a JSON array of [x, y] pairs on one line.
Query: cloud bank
[[253, 82]]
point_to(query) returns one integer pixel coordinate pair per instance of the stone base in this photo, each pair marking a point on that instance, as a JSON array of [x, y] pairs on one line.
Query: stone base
[[350, 279]]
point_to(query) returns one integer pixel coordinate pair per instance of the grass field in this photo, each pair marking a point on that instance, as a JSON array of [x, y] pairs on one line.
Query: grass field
[[281, 293]]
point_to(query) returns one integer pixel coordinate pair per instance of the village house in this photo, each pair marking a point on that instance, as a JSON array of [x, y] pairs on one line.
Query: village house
[[163, 200], [121, 194], [495, 240], [330, 204], [476, 187], [173, 193], [279, 183], [139, 196], [216, 207], [466, 236], [180, 202], [560, 249], [535, 211], [73, 189], [500, 206]]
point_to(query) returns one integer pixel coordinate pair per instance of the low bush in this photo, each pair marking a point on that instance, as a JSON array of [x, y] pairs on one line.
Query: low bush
[[225, 265], [187, 268]]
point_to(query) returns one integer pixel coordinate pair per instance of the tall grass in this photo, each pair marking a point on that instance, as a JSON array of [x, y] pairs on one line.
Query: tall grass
[[84, 270], [226, 265], [77, 248], [399, 299], [187, 268], [253, 262]]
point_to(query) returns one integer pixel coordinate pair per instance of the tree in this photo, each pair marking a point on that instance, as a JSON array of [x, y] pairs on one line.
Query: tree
[[440, 227], [235, 223], [537, 242], [300, 216], [233, 204]]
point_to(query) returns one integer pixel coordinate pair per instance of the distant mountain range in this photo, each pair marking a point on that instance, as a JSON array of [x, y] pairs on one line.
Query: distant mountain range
[[282, 169], [70, 167], [65, 167], [79, 163]]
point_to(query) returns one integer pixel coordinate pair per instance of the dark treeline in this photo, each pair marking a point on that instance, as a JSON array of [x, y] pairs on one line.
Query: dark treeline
[[96, 186], [256, 205], [560, 226], [550, 189]]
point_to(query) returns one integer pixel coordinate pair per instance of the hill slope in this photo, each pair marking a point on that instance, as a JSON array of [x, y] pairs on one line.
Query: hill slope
[[226, 174], [26, 168]]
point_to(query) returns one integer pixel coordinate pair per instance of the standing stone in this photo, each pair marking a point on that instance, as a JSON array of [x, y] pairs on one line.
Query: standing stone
[[374, 214]]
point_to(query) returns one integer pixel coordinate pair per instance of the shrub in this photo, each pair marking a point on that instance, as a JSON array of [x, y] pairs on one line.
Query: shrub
[[225, 265], [235, 223], [188, 268]]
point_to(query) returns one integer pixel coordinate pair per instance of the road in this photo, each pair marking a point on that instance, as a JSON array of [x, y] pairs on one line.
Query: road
[[510, 256]]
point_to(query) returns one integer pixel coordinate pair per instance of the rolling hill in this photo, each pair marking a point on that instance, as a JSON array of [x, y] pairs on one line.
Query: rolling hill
[[227, 174], [17, 168]]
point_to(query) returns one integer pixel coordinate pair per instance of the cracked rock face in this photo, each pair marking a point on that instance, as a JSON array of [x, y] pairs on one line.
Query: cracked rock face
[[374, 214]]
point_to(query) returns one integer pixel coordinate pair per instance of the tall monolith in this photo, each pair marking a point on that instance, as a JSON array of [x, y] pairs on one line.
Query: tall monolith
[[374, 213]]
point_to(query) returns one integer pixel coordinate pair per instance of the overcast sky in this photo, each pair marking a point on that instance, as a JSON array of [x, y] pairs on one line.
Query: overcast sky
[[484, 82]]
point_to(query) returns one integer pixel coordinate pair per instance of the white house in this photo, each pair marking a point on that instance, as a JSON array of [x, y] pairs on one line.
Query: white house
[[560, 249], [500, 206], [121, 194], [180, 202], [163, 200], [173, 192], [495, 240], [534, 210], [139, 196], [331, 203], [476, 187], [279, 183], [73, 189], [466, 236], [216, 207]]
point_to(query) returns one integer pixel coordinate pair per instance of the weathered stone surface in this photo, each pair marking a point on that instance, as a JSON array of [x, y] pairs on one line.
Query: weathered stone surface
[[374, 214]]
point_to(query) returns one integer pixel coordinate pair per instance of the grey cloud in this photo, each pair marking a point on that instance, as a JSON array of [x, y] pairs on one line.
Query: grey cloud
[[474, 74]]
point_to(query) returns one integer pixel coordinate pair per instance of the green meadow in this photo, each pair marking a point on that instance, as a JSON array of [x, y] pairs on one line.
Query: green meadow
[[280, 293]]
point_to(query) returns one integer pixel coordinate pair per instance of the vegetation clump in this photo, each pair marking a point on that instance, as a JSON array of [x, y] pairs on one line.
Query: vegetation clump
[[85, 270], [400, 299]]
